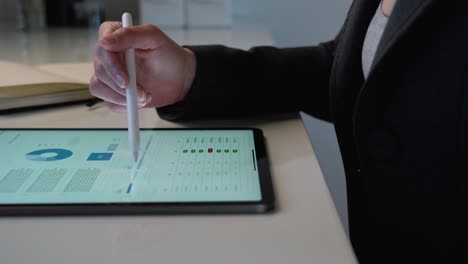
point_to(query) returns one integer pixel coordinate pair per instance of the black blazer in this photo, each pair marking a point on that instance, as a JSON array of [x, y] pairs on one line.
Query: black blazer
[[403, 132]]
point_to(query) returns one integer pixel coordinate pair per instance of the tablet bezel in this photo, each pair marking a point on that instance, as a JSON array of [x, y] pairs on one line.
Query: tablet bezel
[[265, 205]]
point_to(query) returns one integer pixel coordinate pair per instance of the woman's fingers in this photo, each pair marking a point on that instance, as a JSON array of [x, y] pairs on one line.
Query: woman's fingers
[[144, 37], [109, 27], [113, 64], [112, 61], [103, 76], [101, 90]]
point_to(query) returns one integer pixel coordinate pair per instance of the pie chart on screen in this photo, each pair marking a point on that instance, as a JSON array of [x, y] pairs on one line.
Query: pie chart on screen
[[49, 154]]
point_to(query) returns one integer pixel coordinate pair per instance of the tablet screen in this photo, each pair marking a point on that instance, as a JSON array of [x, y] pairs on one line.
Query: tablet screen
[[96, 166]]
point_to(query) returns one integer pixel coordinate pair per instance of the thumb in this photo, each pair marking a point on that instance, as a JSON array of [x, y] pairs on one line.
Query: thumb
[[145, 37]]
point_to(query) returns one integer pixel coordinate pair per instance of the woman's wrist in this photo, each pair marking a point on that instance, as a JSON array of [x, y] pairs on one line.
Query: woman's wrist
[[189, 73]]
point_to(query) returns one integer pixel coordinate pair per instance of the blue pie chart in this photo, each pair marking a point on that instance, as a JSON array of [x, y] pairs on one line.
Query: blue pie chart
[[49, 154]]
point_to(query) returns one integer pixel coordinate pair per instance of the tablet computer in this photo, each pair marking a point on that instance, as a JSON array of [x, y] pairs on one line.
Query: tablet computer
[[92, 172]]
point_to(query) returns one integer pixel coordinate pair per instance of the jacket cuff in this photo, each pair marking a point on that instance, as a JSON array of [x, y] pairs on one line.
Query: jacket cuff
[[206, 96]]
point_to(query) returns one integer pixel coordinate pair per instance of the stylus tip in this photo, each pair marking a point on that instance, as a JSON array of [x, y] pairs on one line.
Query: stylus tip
[[135, 156]]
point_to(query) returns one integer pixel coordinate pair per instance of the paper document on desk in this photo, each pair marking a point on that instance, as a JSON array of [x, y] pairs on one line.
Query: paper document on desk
[[28, 86]]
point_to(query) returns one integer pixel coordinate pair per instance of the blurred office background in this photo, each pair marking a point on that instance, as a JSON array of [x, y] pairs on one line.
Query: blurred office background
[[291, 23], [65, 31]]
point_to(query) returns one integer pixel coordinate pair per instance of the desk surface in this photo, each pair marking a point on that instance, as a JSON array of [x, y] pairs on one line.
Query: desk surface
[[305, 229]]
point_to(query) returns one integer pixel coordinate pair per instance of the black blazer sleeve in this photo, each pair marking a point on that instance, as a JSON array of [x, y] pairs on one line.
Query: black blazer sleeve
[[263, 80]]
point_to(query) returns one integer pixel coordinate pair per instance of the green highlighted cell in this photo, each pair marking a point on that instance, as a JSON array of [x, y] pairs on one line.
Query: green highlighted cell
[[193, 151], [226, 150], [218, 150], [235, 150], [201, 150], [185, 150]]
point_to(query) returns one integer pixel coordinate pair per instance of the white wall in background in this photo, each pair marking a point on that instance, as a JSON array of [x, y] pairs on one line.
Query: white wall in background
[[164, 13], [9, 15], [294, 22], [208, 13], [291, 22], [186, 13]]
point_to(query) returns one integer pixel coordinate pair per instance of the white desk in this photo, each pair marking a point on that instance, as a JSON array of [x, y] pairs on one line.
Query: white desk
[[305, 229]]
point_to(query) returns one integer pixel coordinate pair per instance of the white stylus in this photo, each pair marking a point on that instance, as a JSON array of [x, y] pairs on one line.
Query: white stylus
[[131, 91]]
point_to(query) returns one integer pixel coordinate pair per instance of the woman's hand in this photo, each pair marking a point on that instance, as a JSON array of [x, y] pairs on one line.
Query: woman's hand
[[164, 70]]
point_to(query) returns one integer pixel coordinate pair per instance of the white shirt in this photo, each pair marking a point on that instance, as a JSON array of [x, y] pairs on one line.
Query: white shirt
[[372, 39]]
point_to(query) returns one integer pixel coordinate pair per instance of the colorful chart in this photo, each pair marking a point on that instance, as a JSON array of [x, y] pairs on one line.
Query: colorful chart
[[97, 166], [49, 154], [100, 156]]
